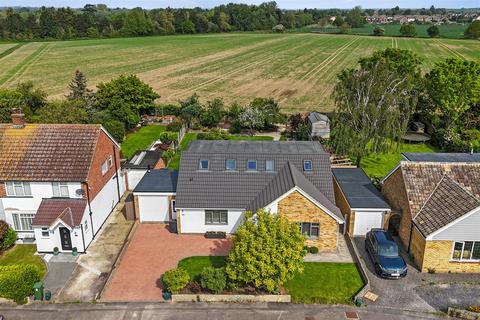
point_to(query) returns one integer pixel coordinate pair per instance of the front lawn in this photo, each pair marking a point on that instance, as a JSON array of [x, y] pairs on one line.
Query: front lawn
[[175, 161], [325, 282], [141, 139], [379, 165], [195, 265], [23, 254]]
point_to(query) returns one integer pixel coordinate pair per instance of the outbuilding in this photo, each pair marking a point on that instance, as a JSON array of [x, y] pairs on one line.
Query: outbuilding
[[361, 204], [142, 161]]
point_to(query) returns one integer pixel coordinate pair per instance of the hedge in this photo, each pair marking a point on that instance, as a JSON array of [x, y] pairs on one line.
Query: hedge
[[16, 281]]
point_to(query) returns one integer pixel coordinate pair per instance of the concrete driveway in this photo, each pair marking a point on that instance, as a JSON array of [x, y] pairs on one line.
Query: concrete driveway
[[420, 291], [152, 251]]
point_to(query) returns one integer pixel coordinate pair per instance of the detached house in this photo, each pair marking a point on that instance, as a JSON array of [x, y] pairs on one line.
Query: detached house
[[219, 181], [58, 182], [436, 197]]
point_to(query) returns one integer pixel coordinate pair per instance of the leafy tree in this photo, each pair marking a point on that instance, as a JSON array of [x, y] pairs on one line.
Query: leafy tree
[[252, 118], [267, 251], [190, 109], [62, 112], [115, 128], [338, 21], [92, 32], [271, 111], [373, 107], [433, 31], [125, 98], [404, 62], [213, 113], [30, 97], [355, 18], [473, 30], [453, 87], [298, 127], [378, 31], [345, 28], [408, 30]]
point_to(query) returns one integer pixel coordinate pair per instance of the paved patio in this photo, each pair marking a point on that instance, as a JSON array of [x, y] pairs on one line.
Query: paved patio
[[152, 251], [59, 269], [342, 255]]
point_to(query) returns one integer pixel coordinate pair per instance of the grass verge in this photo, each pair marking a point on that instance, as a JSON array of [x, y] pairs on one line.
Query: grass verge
[[23, 254], [141, 139]]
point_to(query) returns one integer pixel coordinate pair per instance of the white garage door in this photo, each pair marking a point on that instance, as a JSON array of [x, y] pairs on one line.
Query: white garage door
[[366, 220], [153, 208]]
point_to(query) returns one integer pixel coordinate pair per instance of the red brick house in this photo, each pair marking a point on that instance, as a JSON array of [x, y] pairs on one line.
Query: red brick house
[[58, 182]]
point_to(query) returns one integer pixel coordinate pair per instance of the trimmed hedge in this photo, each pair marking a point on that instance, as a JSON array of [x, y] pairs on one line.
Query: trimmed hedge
[[16, 281], [8, 240]]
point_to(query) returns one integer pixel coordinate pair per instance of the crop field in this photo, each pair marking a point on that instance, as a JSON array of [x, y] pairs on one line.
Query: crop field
[[299, 70]]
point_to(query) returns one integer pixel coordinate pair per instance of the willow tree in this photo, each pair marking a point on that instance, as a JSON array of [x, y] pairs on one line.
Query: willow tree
[[373, 106]]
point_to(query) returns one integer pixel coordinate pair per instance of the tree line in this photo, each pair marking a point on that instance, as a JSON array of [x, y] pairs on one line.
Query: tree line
[[93, 21]]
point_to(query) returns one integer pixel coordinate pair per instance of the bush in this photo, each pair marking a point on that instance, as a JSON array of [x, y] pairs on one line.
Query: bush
[[213, 134], [474, 309], [175, 280], [9, 239], [168, 155], [16, 281], [313, 250], [175, 126], [3, 230], [235, 127], [168, 109], [213, 279]]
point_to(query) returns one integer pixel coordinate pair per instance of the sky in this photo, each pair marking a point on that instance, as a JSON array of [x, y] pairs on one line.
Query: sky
[[284, 4]]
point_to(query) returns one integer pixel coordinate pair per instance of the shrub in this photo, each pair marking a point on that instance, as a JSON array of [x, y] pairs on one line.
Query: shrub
[[313, 250], [213, 279], [16, 281], [3, 230], [168, 155], [213, 134], [175, 280], [474, 309], [431, 270], [175, 126], [235, 127], [9, 239]]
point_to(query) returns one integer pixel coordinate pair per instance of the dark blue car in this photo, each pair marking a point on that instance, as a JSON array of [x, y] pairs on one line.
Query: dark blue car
[[385, 256]]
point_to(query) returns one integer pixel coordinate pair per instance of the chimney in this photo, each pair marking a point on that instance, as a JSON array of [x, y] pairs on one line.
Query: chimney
[[18, 119]]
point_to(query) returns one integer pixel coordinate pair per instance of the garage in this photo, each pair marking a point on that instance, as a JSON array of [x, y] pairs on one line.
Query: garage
[[154, 196], [367, 220], [361, 204]]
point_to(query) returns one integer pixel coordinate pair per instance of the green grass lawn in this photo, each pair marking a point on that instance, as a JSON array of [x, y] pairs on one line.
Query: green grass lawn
[[175, 162], [195, 265], [380, 165], [23, 254], [141, 139], [324, 282], [251, 138]]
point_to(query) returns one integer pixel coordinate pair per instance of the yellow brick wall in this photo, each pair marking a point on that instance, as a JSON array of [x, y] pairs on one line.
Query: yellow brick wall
[[342, 204], [296, 208], [394, 191], [417, 248], [438, 254]]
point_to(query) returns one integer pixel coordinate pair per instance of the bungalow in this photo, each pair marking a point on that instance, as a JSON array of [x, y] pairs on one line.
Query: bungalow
[[219, 181], [58, 182], [437, 196]]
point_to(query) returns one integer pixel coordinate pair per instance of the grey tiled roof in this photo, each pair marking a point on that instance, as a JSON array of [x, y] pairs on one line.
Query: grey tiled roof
[[316, 116], [287, 178], [448, 202], [441, 157], [358, 189], [158, 180], [218, 188]]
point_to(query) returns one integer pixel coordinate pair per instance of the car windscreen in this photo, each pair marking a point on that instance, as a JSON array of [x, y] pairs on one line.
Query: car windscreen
[[388, 250]]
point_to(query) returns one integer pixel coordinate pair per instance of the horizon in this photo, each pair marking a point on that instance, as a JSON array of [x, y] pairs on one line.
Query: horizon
[[282, 4]]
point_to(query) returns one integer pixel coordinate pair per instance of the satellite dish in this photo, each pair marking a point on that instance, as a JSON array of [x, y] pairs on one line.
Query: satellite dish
[[79, 192]]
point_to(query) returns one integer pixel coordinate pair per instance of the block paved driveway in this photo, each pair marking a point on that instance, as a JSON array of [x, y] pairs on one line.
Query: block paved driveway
[[152, 251]]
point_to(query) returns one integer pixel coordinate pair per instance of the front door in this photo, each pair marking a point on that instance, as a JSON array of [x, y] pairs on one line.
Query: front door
[[65, 238]]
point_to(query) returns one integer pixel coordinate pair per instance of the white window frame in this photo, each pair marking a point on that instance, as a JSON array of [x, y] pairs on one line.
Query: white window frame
[[213, 213], [461, 259], [45, 233], [60, 190], [104, 167], [11, 189], [110, 161], [311, 226], [20, 220]]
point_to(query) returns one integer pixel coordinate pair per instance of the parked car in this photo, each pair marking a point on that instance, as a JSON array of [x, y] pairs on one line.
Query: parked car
[[384, 253]]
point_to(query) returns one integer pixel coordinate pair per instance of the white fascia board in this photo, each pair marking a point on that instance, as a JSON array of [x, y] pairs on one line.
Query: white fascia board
[[208, 208], [154, 193], [445, 227], [371, 209], [391, 172]]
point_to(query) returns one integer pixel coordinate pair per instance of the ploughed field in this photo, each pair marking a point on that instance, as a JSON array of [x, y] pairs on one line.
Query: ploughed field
[[299, 70]]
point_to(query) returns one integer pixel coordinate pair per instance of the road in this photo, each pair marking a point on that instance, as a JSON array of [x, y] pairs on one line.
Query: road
[[200, 311]]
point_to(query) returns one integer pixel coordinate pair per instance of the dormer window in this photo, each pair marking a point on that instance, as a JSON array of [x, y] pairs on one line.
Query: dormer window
[[231, 164], [251, 165], [307, 165], [203, 164], [269, 165]]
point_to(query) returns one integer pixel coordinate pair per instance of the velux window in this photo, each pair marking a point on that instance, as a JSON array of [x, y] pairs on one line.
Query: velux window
[[231, 164], [203, 164], [251, 165], [466, 251], [307, 165], [269, 165], [18, 188]]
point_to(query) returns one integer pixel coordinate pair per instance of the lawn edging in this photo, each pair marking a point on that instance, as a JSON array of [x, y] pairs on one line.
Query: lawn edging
[[234, 298], [361, 267]]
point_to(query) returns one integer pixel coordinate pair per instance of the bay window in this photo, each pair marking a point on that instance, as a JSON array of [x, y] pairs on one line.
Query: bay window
[[23, 221]]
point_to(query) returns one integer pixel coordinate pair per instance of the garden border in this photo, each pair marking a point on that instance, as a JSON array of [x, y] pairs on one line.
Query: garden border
[[235, 298]]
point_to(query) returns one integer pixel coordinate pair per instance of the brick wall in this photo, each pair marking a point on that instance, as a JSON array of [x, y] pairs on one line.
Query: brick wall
[[296, 208], [438, 254], [103, 150], [417, 248], [394, 191], [136, 207], [3, 191], [160, 164], [342, 204]]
